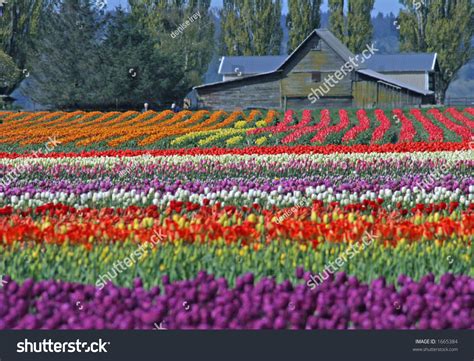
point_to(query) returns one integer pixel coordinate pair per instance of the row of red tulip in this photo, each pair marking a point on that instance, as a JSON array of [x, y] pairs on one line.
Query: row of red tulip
[[279, 128], [384, 126], [343, 124], [434, 132], [364, 124], [323, 128], [302, 128], [456, 114], [463, 132], [282, 149], [408, 131]]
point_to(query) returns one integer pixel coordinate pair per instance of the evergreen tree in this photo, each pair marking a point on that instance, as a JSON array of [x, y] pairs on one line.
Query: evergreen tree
[[9, 73], [277, 34], [359, 25], [265, 26], [66, 56], [336, 19], [18, 27], [303, 17], [386, 33], [251, 27], [192, 46], [235, 36], [84, 60], [442, 26], [135, 70]]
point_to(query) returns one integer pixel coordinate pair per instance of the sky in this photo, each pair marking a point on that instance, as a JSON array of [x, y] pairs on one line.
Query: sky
[[384, 6]]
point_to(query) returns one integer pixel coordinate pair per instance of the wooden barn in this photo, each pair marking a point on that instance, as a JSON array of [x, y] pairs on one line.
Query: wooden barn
[[302, 81]]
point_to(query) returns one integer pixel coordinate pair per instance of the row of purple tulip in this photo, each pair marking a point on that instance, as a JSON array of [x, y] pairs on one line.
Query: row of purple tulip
[[341, 302]]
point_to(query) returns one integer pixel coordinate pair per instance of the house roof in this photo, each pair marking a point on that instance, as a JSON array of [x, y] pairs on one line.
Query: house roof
[[231, 65], [403, 62], [340, 49]]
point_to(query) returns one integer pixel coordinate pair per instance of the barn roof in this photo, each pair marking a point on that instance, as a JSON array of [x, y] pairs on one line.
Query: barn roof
[[403, 62], [329, 38], [250, 64], [340, 49]]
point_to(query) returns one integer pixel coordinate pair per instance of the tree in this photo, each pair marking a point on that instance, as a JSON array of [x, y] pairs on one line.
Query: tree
[[303, 17], [442, 26], [235, 37], [66, 56], [18, 27], [9, 72], [83, 59], [266, 39], [251, 27], [336, 19], [135, 70], [168, 24], [357, 32], [359, 25]]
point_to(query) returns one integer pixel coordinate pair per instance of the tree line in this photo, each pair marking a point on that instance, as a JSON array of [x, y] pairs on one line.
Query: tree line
[[77, 55]]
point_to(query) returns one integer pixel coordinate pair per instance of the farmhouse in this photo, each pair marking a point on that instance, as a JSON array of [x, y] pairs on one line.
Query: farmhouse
[[302, 79]]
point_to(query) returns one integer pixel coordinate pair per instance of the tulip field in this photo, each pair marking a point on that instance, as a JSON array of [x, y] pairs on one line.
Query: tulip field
[[85, 131], [331, 219]]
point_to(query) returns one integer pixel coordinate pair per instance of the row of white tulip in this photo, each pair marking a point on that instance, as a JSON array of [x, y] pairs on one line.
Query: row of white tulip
[[445, 156], [122, 198]]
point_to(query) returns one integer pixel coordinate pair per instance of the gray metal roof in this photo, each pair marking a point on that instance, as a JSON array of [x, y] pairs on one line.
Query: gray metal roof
[[403, 62], [250, 64]]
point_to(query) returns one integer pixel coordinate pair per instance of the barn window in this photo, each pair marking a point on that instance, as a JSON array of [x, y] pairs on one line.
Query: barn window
[[316, 76], [431, 82], [317, 46]]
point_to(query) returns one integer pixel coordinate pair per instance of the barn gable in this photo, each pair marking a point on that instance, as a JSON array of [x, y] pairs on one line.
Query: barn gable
[[317, 58]]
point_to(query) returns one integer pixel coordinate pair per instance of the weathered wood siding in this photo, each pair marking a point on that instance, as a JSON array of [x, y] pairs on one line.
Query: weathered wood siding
[[370, 93], [415, 79], [327, 102], [261, 93], [297, 81], [365, 93]]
